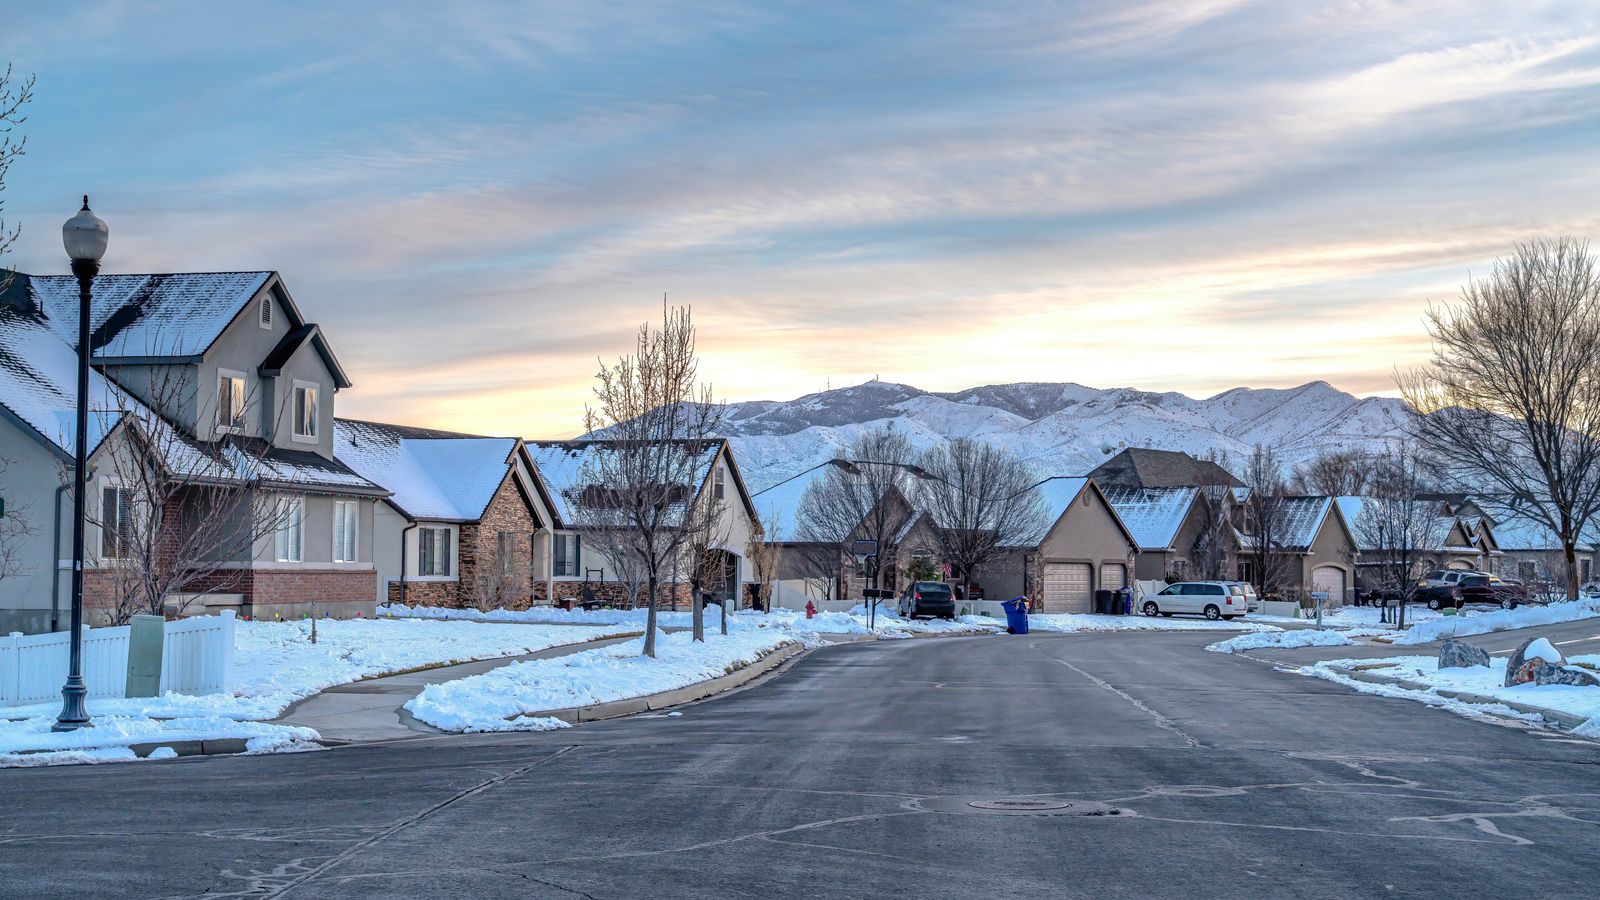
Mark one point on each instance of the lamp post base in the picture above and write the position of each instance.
(74, 714)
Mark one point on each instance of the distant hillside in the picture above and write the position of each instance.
(1062, 429)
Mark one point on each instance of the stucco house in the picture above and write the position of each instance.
(216, 381)
(1437, 540)
(1167, 523)
(467, 522)
(580, 567)
(1313, 539)
(1082, 547)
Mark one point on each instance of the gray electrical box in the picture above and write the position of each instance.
(145, 637)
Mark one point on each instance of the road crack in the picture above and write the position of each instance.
(1160, 720)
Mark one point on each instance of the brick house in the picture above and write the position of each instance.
(467, 522)
(217, 382)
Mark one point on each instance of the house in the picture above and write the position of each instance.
(214, 385)
(467, 521)
(1432, 538)
(580, 563)
(1082, 547)
(1313, 548)
(1144, 467)
(1532, 553)
(1170, 525)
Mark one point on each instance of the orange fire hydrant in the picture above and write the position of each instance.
(811, 609)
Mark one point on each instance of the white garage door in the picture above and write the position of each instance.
(1330, 581)
(1113, 576)
(1066, 587)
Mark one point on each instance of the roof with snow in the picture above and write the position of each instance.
(1057, 494)
(433, 475)
(1148, 468)
(1300, 520)
(778, 504)
(149, 315)
(567, 467)
(1152, 515)
(39, 384)
(1522, 532)
(1430, 532)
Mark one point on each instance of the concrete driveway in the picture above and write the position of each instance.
(1157, 770)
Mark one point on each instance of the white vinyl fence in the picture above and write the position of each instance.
(196, 658)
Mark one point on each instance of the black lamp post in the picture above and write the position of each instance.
(84, 236)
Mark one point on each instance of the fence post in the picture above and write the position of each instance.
(229, 623)
(14, 664)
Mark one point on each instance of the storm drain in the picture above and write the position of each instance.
(1016, 806)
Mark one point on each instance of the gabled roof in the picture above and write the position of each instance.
(1522, 532)
(440, 476)
(1429, 531)
(294, 340)
(778, 504)
(564, 466)
(1300, 520)
(39, 385)
(1146, 467)
(1058, 493)
(1153, 515)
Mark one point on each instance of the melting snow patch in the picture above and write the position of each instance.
(1500, 620)
(1282, 640)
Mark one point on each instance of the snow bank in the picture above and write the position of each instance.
(1485, 681)
(505, 698)
(1282, 640)
(111, 736)
(1500, 620)
(1074, 622)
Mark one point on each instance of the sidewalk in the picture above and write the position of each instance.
(372, 710)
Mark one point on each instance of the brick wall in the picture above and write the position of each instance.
(478, 558)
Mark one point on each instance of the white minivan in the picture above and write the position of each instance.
(1212, 599)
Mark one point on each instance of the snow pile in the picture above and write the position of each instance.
(535, 615)
(506, 698)
(1072, 623)
(1282, 640)
(1368, 617)
(1500, 620)
(1484, 681)
(852, 622)
(111, 735)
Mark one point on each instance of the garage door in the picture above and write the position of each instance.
(1066, 587)
(1330, 581)
(1113, 576)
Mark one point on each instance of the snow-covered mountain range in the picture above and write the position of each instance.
(1061, 429)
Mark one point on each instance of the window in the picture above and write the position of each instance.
(507, 554)
(266, 312)
(116, 522)
(345, 522)
(567, 551)
(305, 411)
(433, 552)
(718, 487)
(230, 400)
(291, 528)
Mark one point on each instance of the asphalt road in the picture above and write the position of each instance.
(850, 775)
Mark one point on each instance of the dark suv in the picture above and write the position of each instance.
(927, 598)
(1479, 588)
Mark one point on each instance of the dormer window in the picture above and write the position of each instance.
(265, 316)
(305, 411)
(230, 401)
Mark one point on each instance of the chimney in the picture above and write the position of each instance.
(14, 291)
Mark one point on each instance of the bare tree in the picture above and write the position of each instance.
(1510, 401)
(766, 560)
(1264, 521)
(14, 95)
(659, 426)
(1214, 546)
(863, 496)
(1396, 529)
(705, 563)
(1334, 473)
(982, 501)
(179, 518)
(616, 545)
(16, 528)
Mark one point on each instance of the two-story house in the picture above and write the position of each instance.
(213, 382)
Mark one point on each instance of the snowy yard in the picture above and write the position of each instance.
(1281, 640)
(275, 665)
(1487, 682)
(505, 698)
(1499, 620)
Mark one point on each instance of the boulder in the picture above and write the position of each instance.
(1549, 673)
(1456, 654)
(1518, 669)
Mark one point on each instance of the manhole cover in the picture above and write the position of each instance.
(1015, 806)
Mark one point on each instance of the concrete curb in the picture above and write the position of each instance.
(1565, 720)
(676, 697)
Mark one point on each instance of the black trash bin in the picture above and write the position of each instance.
(1102, 602)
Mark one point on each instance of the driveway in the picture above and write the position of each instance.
(1176, 773)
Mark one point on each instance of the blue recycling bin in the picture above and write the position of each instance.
(1016, 615)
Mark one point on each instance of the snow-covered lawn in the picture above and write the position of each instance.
(1499, 620)
(1282, 640)
(276, 664)
(1364, 617)
(1487, 682)
(503, 699)
(1072, 623)
(852, 622)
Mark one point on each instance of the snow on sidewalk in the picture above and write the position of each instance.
(275, 664)
(1281, 640)
(503, 699)
(1483, 681)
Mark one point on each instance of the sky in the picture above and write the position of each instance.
(479, 201)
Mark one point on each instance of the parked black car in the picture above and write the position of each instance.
(933, 599)
(1476, 588)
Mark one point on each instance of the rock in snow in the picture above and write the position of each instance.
(1462, 655)
(1520, 669)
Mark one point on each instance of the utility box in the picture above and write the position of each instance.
(146, 634)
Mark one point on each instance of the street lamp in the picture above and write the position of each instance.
(84, 236)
